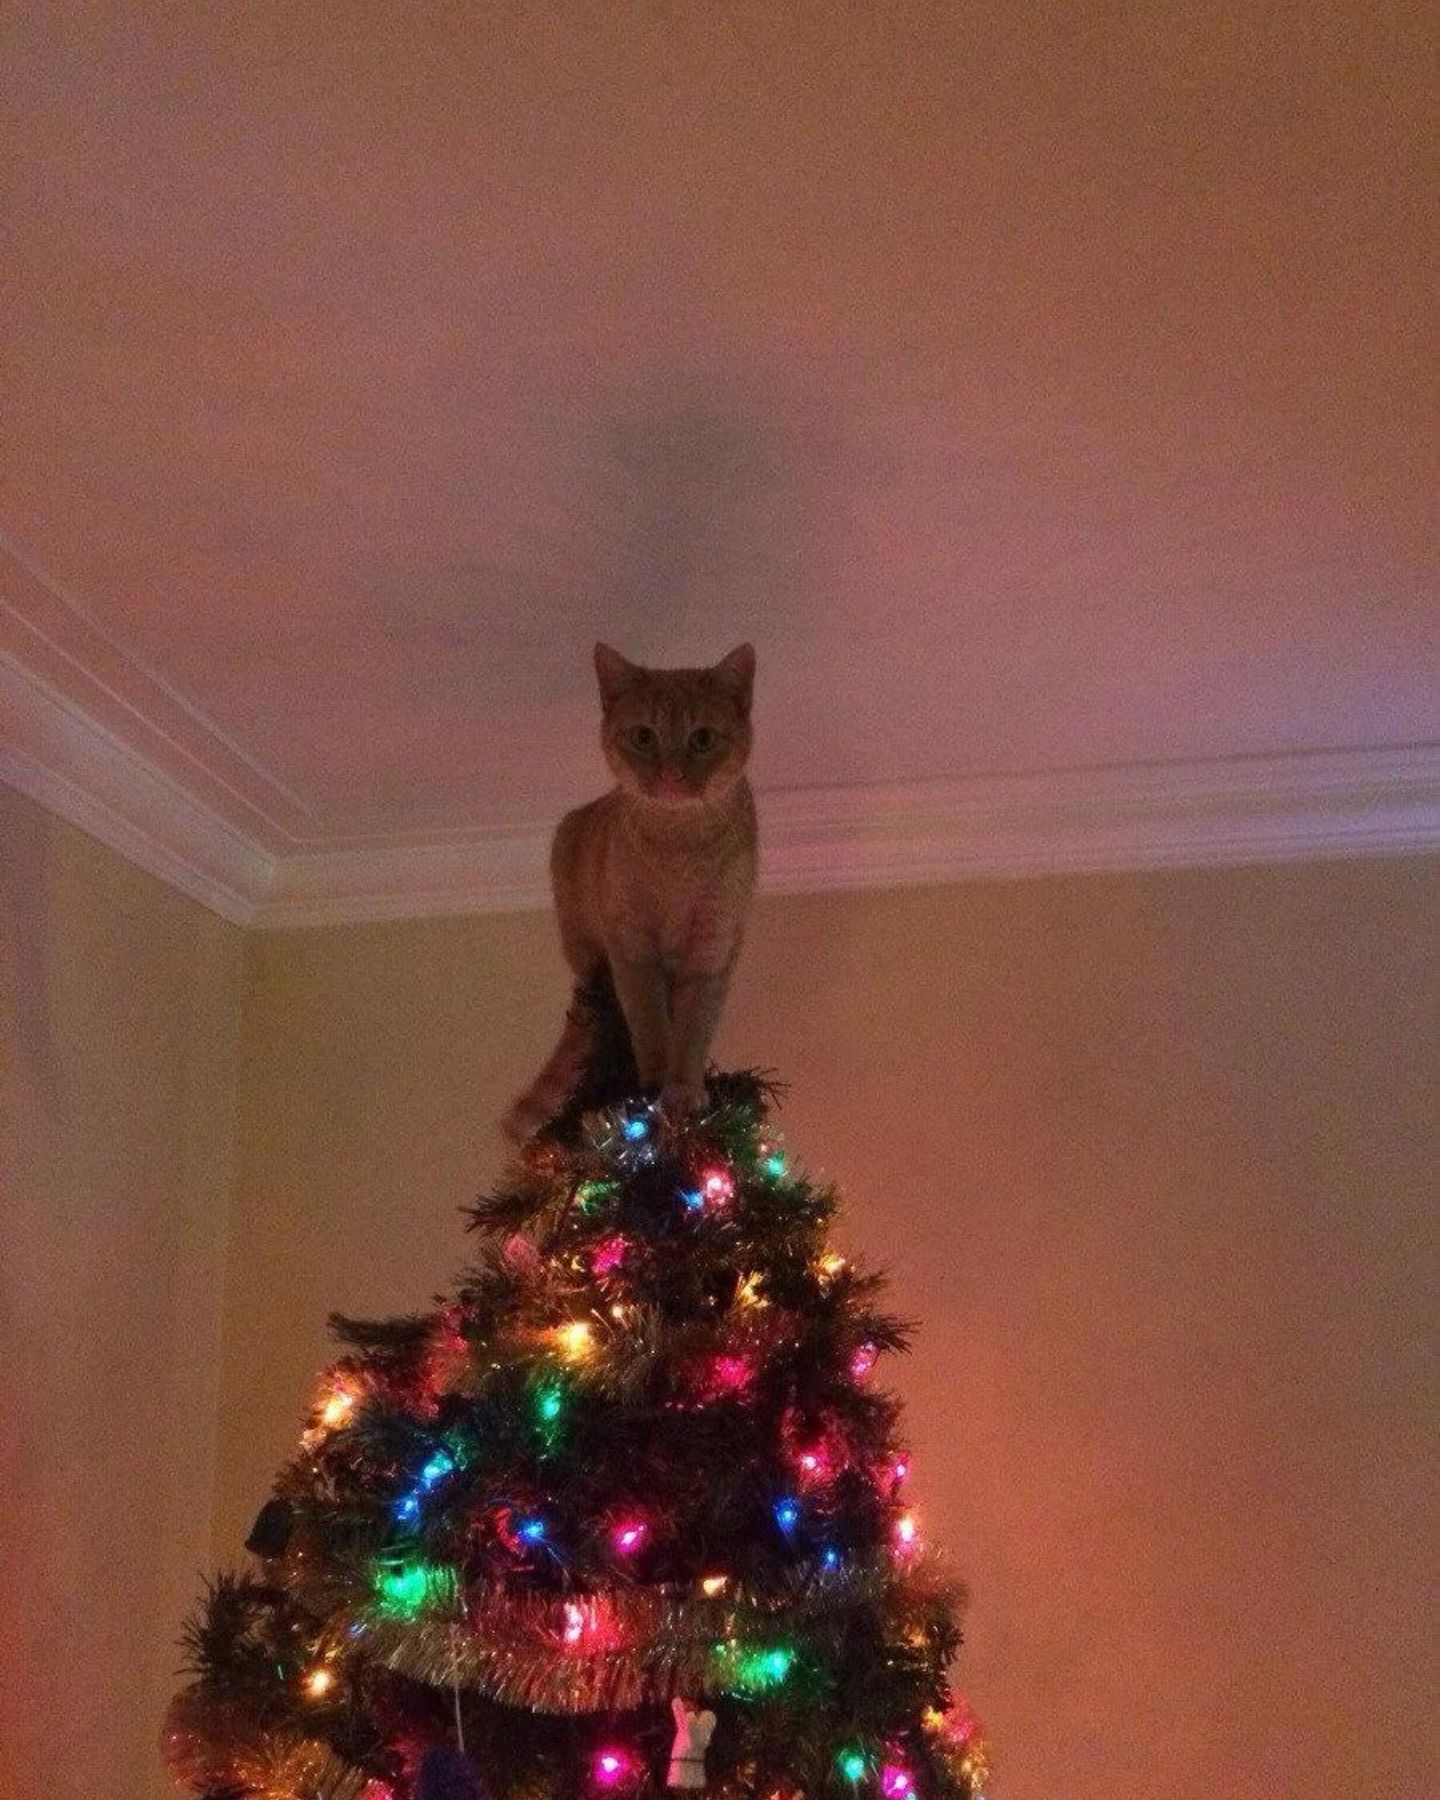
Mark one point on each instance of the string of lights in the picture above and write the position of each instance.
(640, 1452)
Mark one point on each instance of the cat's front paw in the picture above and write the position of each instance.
(680, 1100)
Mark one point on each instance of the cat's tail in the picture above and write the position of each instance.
(592, 1065)
(553, 1086)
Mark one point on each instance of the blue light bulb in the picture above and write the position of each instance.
(787, 1514)
(830, 1556)
(636, 1128)
(694, 1200)
(407, 1510)
(532, 1530)
(438, 1467)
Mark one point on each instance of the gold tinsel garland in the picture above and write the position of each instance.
(621, 1648)
(209, 1741)
(546, 1653)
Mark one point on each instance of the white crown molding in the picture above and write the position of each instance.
(1320, 804)
(52, 639)
(1244, 809)
(59, 754)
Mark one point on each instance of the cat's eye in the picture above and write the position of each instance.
(643, 738)
(703, 739)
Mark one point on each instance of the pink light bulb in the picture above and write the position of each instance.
(630, 1536)
(896, 1782)
(608, 1255)
(612, 1767)
(731, 1372)
(863, 1361)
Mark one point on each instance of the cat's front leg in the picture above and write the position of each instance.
(697, 1002)
(641, 989)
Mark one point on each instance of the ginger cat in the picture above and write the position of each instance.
(655, 878)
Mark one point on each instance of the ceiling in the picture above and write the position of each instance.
(1046, 390)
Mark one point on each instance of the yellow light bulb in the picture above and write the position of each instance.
(712, 1585)
(831, 1264)
(748, 1293)
(575, 1340)
(337, 1408)
(319, 1682)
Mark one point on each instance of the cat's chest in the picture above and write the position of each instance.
(671, 903)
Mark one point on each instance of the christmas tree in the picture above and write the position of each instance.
(627, 1511)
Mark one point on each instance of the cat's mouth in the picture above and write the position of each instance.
(673, 795)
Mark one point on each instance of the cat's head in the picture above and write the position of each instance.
(676, 737)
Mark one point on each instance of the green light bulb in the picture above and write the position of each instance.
(746, 1671)
(852, 1765)
(405, 1590)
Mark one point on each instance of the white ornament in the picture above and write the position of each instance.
(694, 1727)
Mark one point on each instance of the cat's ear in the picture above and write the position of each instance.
(612, 671)
(737, 671)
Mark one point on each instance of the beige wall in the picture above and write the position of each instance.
(118, 1008)
(1150, 1160)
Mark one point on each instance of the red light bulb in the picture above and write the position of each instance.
(815, 1463)
(717, 1187)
